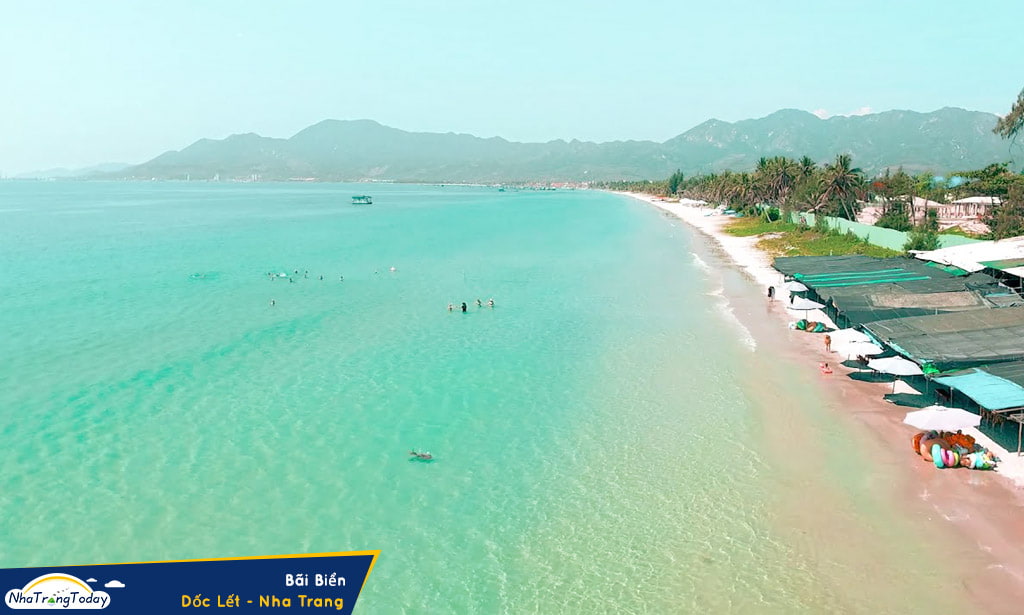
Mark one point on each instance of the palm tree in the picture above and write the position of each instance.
(842, 184)
(807, 167)
(1008, 126)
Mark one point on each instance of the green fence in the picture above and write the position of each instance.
(885, 237)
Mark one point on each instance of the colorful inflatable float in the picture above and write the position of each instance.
(952, 450)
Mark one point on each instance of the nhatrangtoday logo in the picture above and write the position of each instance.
(59, 591)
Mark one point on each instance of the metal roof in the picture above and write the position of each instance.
(988, 390)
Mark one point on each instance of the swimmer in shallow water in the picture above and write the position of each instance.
(490, 303)
(450, 307)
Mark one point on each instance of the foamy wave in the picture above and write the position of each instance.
(697, 260)
(726, 310)
(744, 333)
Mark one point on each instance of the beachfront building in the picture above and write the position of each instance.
(967, 214)
(955, 340)
(978, 356)
(1002, 259)
(857, 289)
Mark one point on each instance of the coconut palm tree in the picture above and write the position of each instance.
(807, 167)
(1013, 122)
(841, 185)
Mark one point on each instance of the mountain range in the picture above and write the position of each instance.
(948, 139)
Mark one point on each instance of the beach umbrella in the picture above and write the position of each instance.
(942, 419)
(854, 349)
(848, 336)
(897, 366)
(806, 305)
(795, 287)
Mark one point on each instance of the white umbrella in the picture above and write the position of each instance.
(854, 349)
(942, 419)
(800, 303)
(848, 336)
(897, 366)
(795, 287)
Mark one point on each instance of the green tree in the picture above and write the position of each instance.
(1007, 219)
(895, 216)
(674, 181)
(1012, 123)
(925, 236)
(841, 185)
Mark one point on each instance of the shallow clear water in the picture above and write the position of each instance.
(607, 438)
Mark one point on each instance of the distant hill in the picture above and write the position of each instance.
(62, 173)
(332, 150)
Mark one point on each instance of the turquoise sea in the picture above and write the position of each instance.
(621, 433)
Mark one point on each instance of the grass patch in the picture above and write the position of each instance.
(748, 227)
(813, 243)
(788, 239)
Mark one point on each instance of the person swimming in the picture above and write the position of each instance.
(490, 302)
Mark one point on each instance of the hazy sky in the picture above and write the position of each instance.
(89, 82)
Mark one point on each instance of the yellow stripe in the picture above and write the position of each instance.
(225, 559)
(59, 577)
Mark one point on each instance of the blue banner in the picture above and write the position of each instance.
(328, 582)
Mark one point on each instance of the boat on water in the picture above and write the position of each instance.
(362, 199)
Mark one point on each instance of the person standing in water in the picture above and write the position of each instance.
(479, 303)
(450, 307)
(490, 302)
(463, 306)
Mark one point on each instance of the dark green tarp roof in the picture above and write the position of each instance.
(956, 340)
(1012, 371)
(865, 289)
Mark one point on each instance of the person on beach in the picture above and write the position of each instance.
(771, 293)
(825, 369)
(828, 343)
(463, 306)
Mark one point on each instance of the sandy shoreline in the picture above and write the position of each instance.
(981, 512)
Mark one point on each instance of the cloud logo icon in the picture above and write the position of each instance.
(114, 583)
(91, 580)
(56, 590)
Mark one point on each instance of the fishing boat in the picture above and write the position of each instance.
(362, 199)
